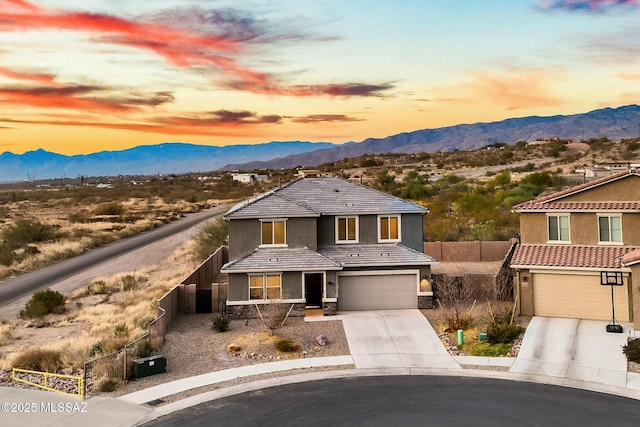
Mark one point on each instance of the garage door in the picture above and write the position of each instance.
(377, 292)
(578, 297)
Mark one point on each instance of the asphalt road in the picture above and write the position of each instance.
(411, 401)
(14, 289)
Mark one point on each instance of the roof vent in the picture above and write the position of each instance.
(335, 190)
(354, 255)
(274, 259)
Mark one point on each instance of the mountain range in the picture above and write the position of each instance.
(163, 158)
(166, 158)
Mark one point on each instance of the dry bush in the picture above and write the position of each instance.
(274, 314)
(455, 301)
(6, 333)
(39, 359)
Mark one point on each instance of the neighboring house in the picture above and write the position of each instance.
(326, 243)
(570, 238)
(247, 178)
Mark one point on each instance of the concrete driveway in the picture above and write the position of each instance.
(394, 339)
(573, 349)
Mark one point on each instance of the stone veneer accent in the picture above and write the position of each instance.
(425, 301)
(330, 308)
(249, 311)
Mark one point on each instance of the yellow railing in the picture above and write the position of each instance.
(45, 382)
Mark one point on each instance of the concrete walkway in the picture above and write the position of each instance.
(394, 339)
(563, 352)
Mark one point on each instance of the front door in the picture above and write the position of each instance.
(313, 289)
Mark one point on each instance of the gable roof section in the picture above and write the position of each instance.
(580, 257)
(375, 255)
(553, 201)
(322, 196)
(280, 259)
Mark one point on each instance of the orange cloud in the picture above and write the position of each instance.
(33, 77)
(513, 88)
(323, 118)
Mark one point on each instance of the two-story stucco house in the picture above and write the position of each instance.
(326, 243)
(570, 238)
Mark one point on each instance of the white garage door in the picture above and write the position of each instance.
(378, 291)
(578, 297)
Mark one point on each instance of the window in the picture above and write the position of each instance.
(389, 228)
(558, 228)
(610, 229)
(347, 229)
(264, 286)
(273, 232)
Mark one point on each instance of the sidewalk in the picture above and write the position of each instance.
(564, 352)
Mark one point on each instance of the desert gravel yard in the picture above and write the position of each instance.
(192, 347)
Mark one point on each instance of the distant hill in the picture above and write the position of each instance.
(613, 123)
(144, 160)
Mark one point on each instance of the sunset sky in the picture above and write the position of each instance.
(78, 77)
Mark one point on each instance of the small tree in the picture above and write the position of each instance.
(210, 237)
(274, 314)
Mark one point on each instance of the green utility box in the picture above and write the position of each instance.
(148, 366)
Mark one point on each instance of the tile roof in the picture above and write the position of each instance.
(546, 200)
(321, 196)
(375, 255)
(577, 206)
(280, 259)
(590, 257)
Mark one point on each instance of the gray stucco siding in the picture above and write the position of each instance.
(302, 233)
(412, 235)
(245, 235)
(292, 285)
(238, 287)
(330, 278)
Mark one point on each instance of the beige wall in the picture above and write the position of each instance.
(625, 189)
(634, 289)
(533, 228)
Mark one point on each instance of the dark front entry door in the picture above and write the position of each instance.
(313, 289)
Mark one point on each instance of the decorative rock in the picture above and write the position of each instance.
(232, 348)
(322, 340)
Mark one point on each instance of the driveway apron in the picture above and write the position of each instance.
(394, 339)
(573, 349)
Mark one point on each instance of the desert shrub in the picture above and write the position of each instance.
(476, 348)
(79, 217)
(112, 208)
(96, 349)
(5, 332)
(121, 330)
(98, 287)
(286, 346)
(128, 282)
(114, 344)
(144, 322)
(38, 359)
(7, 256)
(503, 333)
(42, 303)
(108, 385)
(221, 324)
(632, 350)
(209, 238)
(31, 250)
(144, 348)
(26, 231)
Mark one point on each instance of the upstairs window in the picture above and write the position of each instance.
(273, 232)
(558, 228)
(347, 229)
(389, 228)
(609, 229)
(265, 286)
